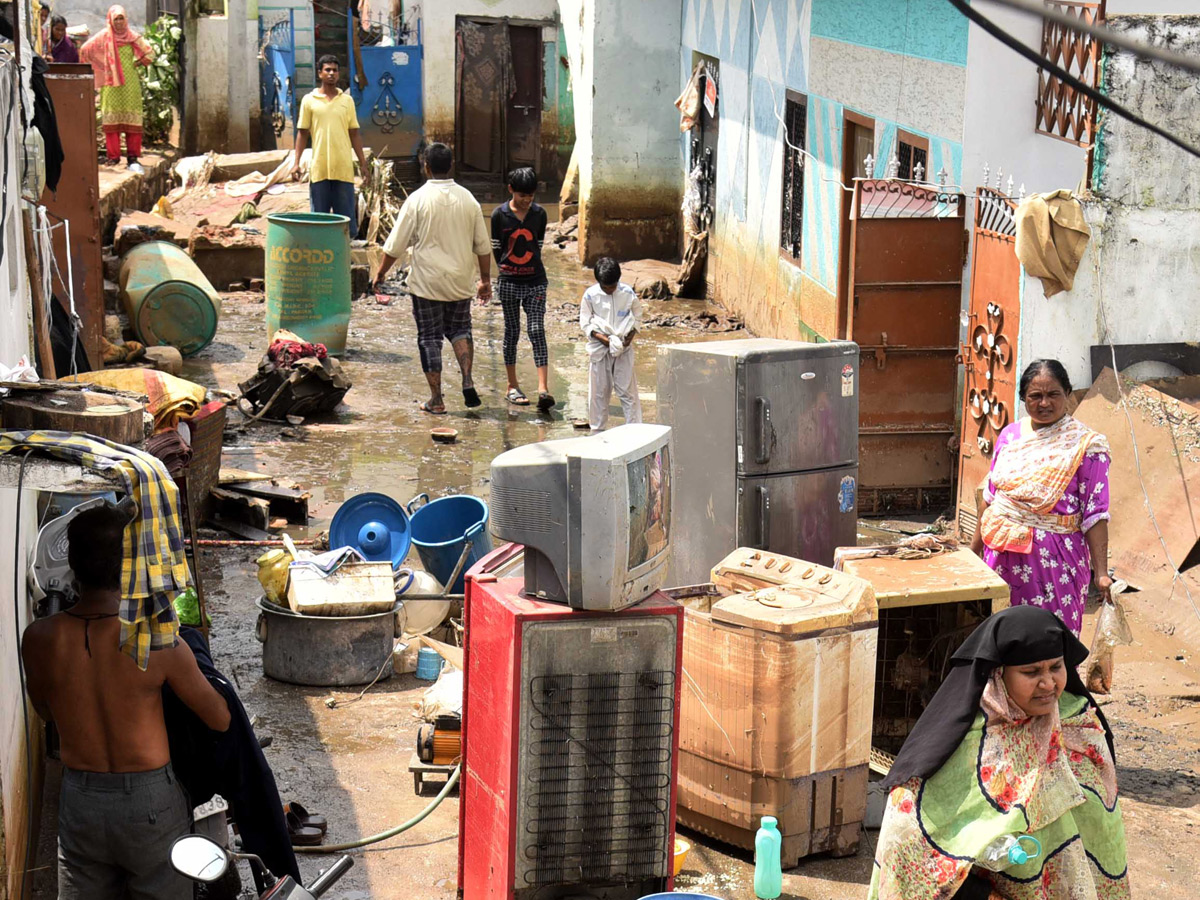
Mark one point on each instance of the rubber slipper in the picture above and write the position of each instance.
(302, 835)
(306, 818)
(432, 410)
(545, 402)
(471, 397)
(517, 397)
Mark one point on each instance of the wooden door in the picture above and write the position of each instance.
(523, 114)
(72, 88)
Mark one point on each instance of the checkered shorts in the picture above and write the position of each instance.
(531, 298)
(438, 319)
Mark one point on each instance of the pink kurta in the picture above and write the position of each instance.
(1056, 573)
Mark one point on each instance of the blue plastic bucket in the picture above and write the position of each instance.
(680, 896)
(429, 664)
(441, 528)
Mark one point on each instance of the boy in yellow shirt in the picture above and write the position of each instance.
(327, 116)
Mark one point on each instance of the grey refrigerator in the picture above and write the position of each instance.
(764, 449)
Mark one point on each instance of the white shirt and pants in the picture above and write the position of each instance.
(616, 316)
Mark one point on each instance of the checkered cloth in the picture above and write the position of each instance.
(438, 319)
(532, 298)
(154, 568)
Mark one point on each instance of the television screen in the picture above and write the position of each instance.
(649, 507)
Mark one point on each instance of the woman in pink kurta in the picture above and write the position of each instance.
(1044, 524)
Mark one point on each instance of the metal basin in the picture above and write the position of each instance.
(325, 651)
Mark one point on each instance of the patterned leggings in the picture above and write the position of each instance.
(531, 297)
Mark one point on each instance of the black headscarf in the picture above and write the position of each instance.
(1017, 636)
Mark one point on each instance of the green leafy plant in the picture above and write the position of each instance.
(160, 79)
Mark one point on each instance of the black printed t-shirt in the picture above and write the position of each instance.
(517, 245)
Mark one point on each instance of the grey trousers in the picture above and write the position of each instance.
(115, 834)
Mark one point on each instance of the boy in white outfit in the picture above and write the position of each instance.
(610, 315)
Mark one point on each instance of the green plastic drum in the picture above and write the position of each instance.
(308, 277)
(167, 298)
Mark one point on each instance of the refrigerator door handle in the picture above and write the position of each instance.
(764, 519)
(763, 451)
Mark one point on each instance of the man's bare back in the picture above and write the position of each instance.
(109, 712)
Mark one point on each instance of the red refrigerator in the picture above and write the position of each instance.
(570, 743)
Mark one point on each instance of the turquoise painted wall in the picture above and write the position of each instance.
(928, 29)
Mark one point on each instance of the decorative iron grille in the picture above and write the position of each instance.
(1062, 111)
(792, 221)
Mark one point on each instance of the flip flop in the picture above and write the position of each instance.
(471, 397)
(432, 410)
(306, 818)
(545, 402)
(517, 397)
(302, 835)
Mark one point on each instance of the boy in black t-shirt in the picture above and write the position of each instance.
(518, 229)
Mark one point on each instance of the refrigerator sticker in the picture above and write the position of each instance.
(847, 380)
(846, 494)
(808, 376)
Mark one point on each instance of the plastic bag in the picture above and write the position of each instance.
(1112, 630)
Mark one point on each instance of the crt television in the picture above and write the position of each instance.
(593, 513)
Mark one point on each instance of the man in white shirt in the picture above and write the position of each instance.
(610, 314)
(441, 229)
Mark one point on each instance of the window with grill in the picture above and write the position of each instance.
(792, 218)
(1062, 111)
(912, 152)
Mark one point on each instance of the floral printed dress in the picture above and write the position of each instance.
(1056, 571)
(1051, 777)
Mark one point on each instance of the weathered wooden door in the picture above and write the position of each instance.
(989, 356)
(523, 115)
(905, 294)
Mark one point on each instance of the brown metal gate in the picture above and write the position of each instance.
(72, 88)
(905, 290)
(989, 356)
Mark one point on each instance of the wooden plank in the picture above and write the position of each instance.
(285, 502)
(230, 475)
(43, 474)
(944, 578)
(242, 530)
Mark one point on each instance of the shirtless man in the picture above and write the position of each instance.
(121, 807)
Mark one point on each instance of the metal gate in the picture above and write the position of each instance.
(989, 356)
(277, 73)
(390, 110)
(906, 259)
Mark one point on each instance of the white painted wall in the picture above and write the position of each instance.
(1152, 8)
(218, 114)
(1000, 113)
(14, 342)
(437, 27)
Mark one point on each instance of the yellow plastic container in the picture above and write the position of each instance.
(273, 575)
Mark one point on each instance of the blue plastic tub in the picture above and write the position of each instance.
(440, 529)
(429, 664)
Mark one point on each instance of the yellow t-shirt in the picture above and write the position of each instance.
(328, 123)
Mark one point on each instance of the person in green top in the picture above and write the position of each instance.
(329, 120)
(114, 55)
(1012, 750)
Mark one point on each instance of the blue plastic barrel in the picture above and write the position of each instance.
(429, 664)
(441, 528)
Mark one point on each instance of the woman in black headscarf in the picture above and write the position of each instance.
(1011, 745)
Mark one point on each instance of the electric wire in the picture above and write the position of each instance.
(1102, 33)
(1087, 90)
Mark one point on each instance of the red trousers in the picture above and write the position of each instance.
(133, 143)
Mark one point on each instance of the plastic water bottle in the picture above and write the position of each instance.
(768, 874)
(1009, 850)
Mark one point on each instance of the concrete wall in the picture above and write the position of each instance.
(627, 131)
(898, 62)
(209, 106)
(15, 822)
(93, 13)
(999, 129)
(1142, 266)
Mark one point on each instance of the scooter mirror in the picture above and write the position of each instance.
(199, 858)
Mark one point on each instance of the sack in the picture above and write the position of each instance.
(1112, 630)
(306, 388)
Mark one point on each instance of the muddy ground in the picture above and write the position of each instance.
(351, 763)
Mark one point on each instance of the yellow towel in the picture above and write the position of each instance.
(1051, 237)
